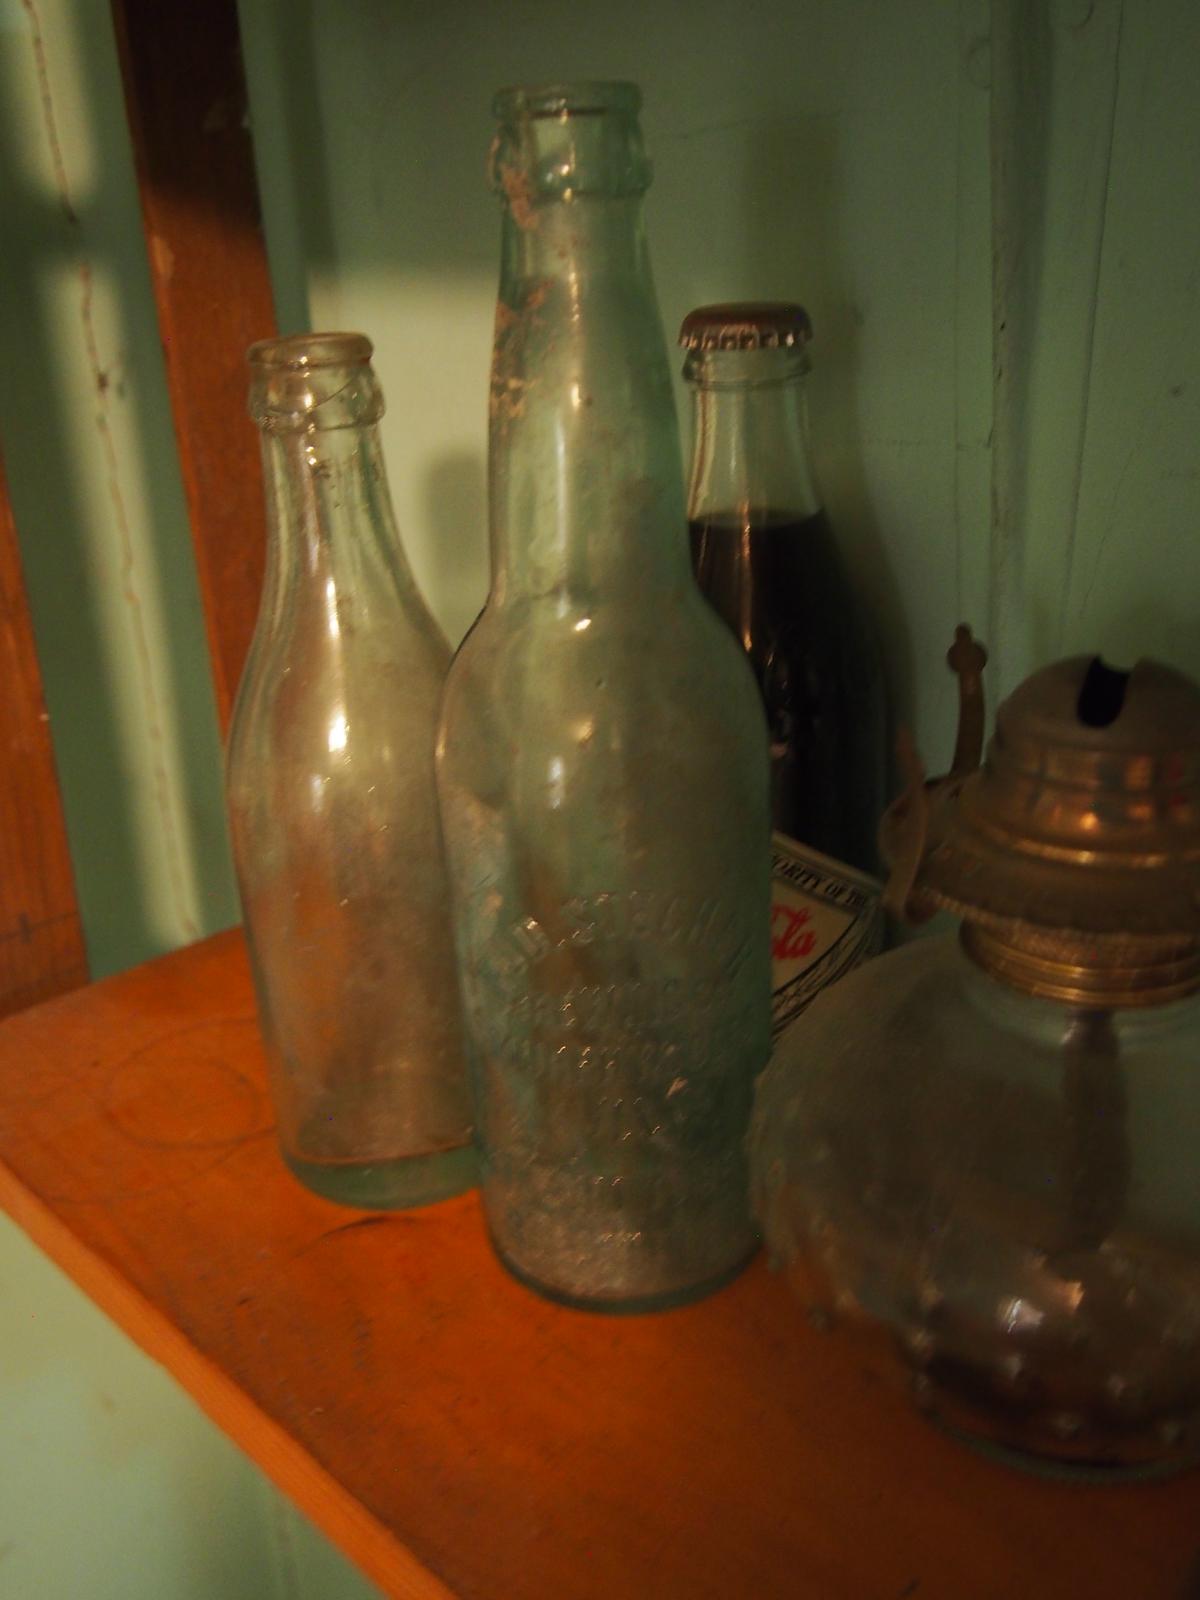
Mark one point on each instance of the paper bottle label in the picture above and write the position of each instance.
(826, 917)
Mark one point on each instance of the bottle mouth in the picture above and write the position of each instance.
(302, 351)
(310, 382)
(566, 142)
(588, 99)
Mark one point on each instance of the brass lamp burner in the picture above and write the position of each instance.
(1073, 854)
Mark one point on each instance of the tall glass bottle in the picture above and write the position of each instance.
(332, 803)
(602, 765)
(766, 557)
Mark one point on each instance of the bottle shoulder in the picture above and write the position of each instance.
(323, 705)
(531, 691)
(560, 653)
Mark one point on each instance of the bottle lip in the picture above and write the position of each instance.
(313, 382)
(590, 97)
(746, 325)
(299, 352)
(743, 369)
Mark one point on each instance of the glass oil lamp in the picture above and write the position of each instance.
(986, 1146)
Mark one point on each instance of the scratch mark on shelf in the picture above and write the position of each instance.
(356, 1226)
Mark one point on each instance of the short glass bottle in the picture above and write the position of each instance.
(332, 807)
(766, 557)
(602, 766)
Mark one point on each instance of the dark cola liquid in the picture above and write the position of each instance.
(778, 582)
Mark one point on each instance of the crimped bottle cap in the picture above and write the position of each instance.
(746, 325)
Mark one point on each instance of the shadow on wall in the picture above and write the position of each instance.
(749, 201)
(792, 194)
(43, 241)
(299, 224)
(455, 509)
(385, 228)
(744, 205)
(95, 524)
(361, 234)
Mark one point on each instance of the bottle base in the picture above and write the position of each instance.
(1101, 1453)
(632, 1302)
(389, 1185)
(1063, 1469)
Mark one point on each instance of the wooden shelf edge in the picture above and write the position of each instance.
(459, 1437)
(319, 1495)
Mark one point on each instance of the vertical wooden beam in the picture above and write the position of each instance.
(41, 940)
(185, 95)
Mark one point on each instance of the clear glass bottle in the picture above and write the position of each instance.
(332, 803)
(766, 557)
(602, 765)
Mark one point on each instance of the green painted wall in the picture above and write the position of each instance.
(112, 1484)
(992, 214)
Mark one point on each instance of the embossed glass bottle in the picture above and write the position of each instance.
(602, 765)
(332, 803)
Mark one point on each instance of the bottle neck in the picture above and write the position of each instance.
(750, 451)
(331, 532)
(586, 492)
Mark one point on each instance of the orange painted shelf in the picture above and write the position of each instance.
(456, 1435)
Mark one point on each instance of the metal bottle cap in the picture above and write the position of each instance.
(1073, 853)
(746, 325)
